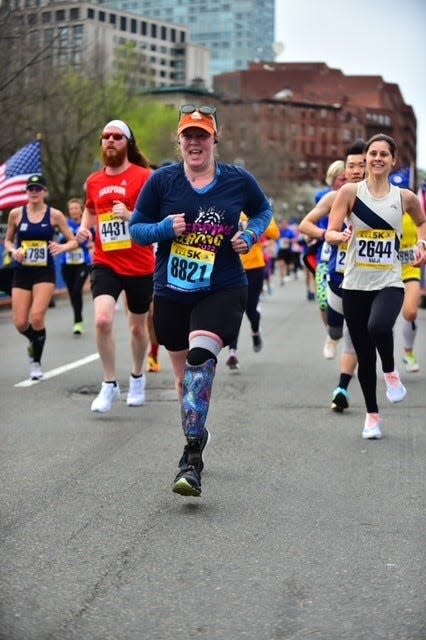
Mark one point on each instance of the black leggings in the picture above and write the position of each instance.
(74, 277)
(255, 285)
(370, 316)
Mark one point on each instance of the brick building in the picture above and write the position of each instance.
(288, 121)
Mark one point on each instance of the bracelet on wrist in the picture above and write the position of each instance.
(421, 241)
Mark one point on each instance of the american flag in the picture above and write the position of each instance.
(15, 172)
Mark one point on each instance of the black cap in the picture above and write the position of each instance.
(38, 180)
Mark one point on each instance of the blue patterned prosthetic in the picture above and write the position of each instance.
(197, 386)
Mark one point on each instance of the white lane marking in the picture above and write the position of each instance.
(57, 372)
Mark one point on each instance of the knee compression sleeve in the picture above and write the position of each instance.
(203, 347)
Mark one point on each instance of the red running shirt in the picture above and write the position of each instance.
(113, 245)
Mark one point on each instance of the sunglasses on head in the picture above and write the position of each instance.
(205, 109)
(35, 187)
(114, 136)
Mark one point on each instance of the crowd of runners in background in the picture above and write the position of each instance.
(359, 253)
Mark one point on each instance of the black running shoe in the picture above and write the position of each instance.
(232, 361)
(257, 342)
(340, 400)
(188, 482)
(193, 452)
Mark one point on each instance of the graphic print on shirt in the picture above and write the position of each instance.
(192, 255)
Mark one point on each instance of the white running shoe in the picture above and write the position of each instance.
(395, 390)
(36, 372)
(329, 350)
(372, 427)
(108, 394)
(136, 393)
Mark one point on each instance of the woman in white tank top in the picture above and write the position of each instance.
(373, 290)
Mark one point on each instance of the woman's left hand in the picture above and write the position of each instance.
(55, 248)
(420, 256)
(239, 245)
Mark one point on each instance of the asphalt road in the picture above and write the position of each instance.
(303, 530)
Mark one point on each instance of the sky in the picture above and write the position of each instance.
(365, 37)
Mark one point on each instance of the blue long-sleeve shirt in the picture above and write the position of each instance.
(202, 259)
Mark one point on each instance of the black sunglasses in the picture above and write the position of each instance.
(35, 187)
(205, 109)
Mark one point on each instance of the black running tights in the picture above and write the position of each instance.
(75, 277)
(370, 317)
(255, 279)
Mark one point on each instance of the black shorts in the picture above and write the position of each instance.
(286, 255)
(27, 277)
(220, 313)
(138, 289)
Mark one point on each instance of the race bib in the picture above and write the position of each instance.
(113, 232)
(407, 255)
(75, 257)
(342, 250)
(325, 252)
(189, 268)
(375, 248)
(35, 253)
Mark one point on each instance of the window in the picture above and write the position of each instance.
(46, 17)
(74, 13)
(60, 15)
(48, 36)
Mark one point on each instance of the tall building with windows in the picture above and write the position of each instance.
(81, 33)
(237, 32)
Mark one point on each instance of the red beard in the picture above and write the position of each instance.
(113, 157)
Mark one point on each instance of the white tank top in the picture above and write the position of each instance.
(372, 260)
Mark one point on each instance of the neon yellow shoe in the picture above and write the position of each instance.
(411, 364)
(78, 328)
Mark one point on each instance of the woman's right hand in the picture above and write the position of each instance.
(18, 254)
(179, 224)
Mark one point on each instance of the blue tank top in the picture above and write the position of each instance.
(34, 238)
(78, 256)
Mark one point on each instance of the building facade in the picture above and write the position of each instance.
(291, 120)
(287, 122)
(237, 32)
(83, 32)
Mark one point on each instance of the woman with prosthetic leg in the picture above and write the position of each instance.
(192, 210)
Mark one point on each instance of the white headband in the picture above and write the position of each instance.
(120, 125)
